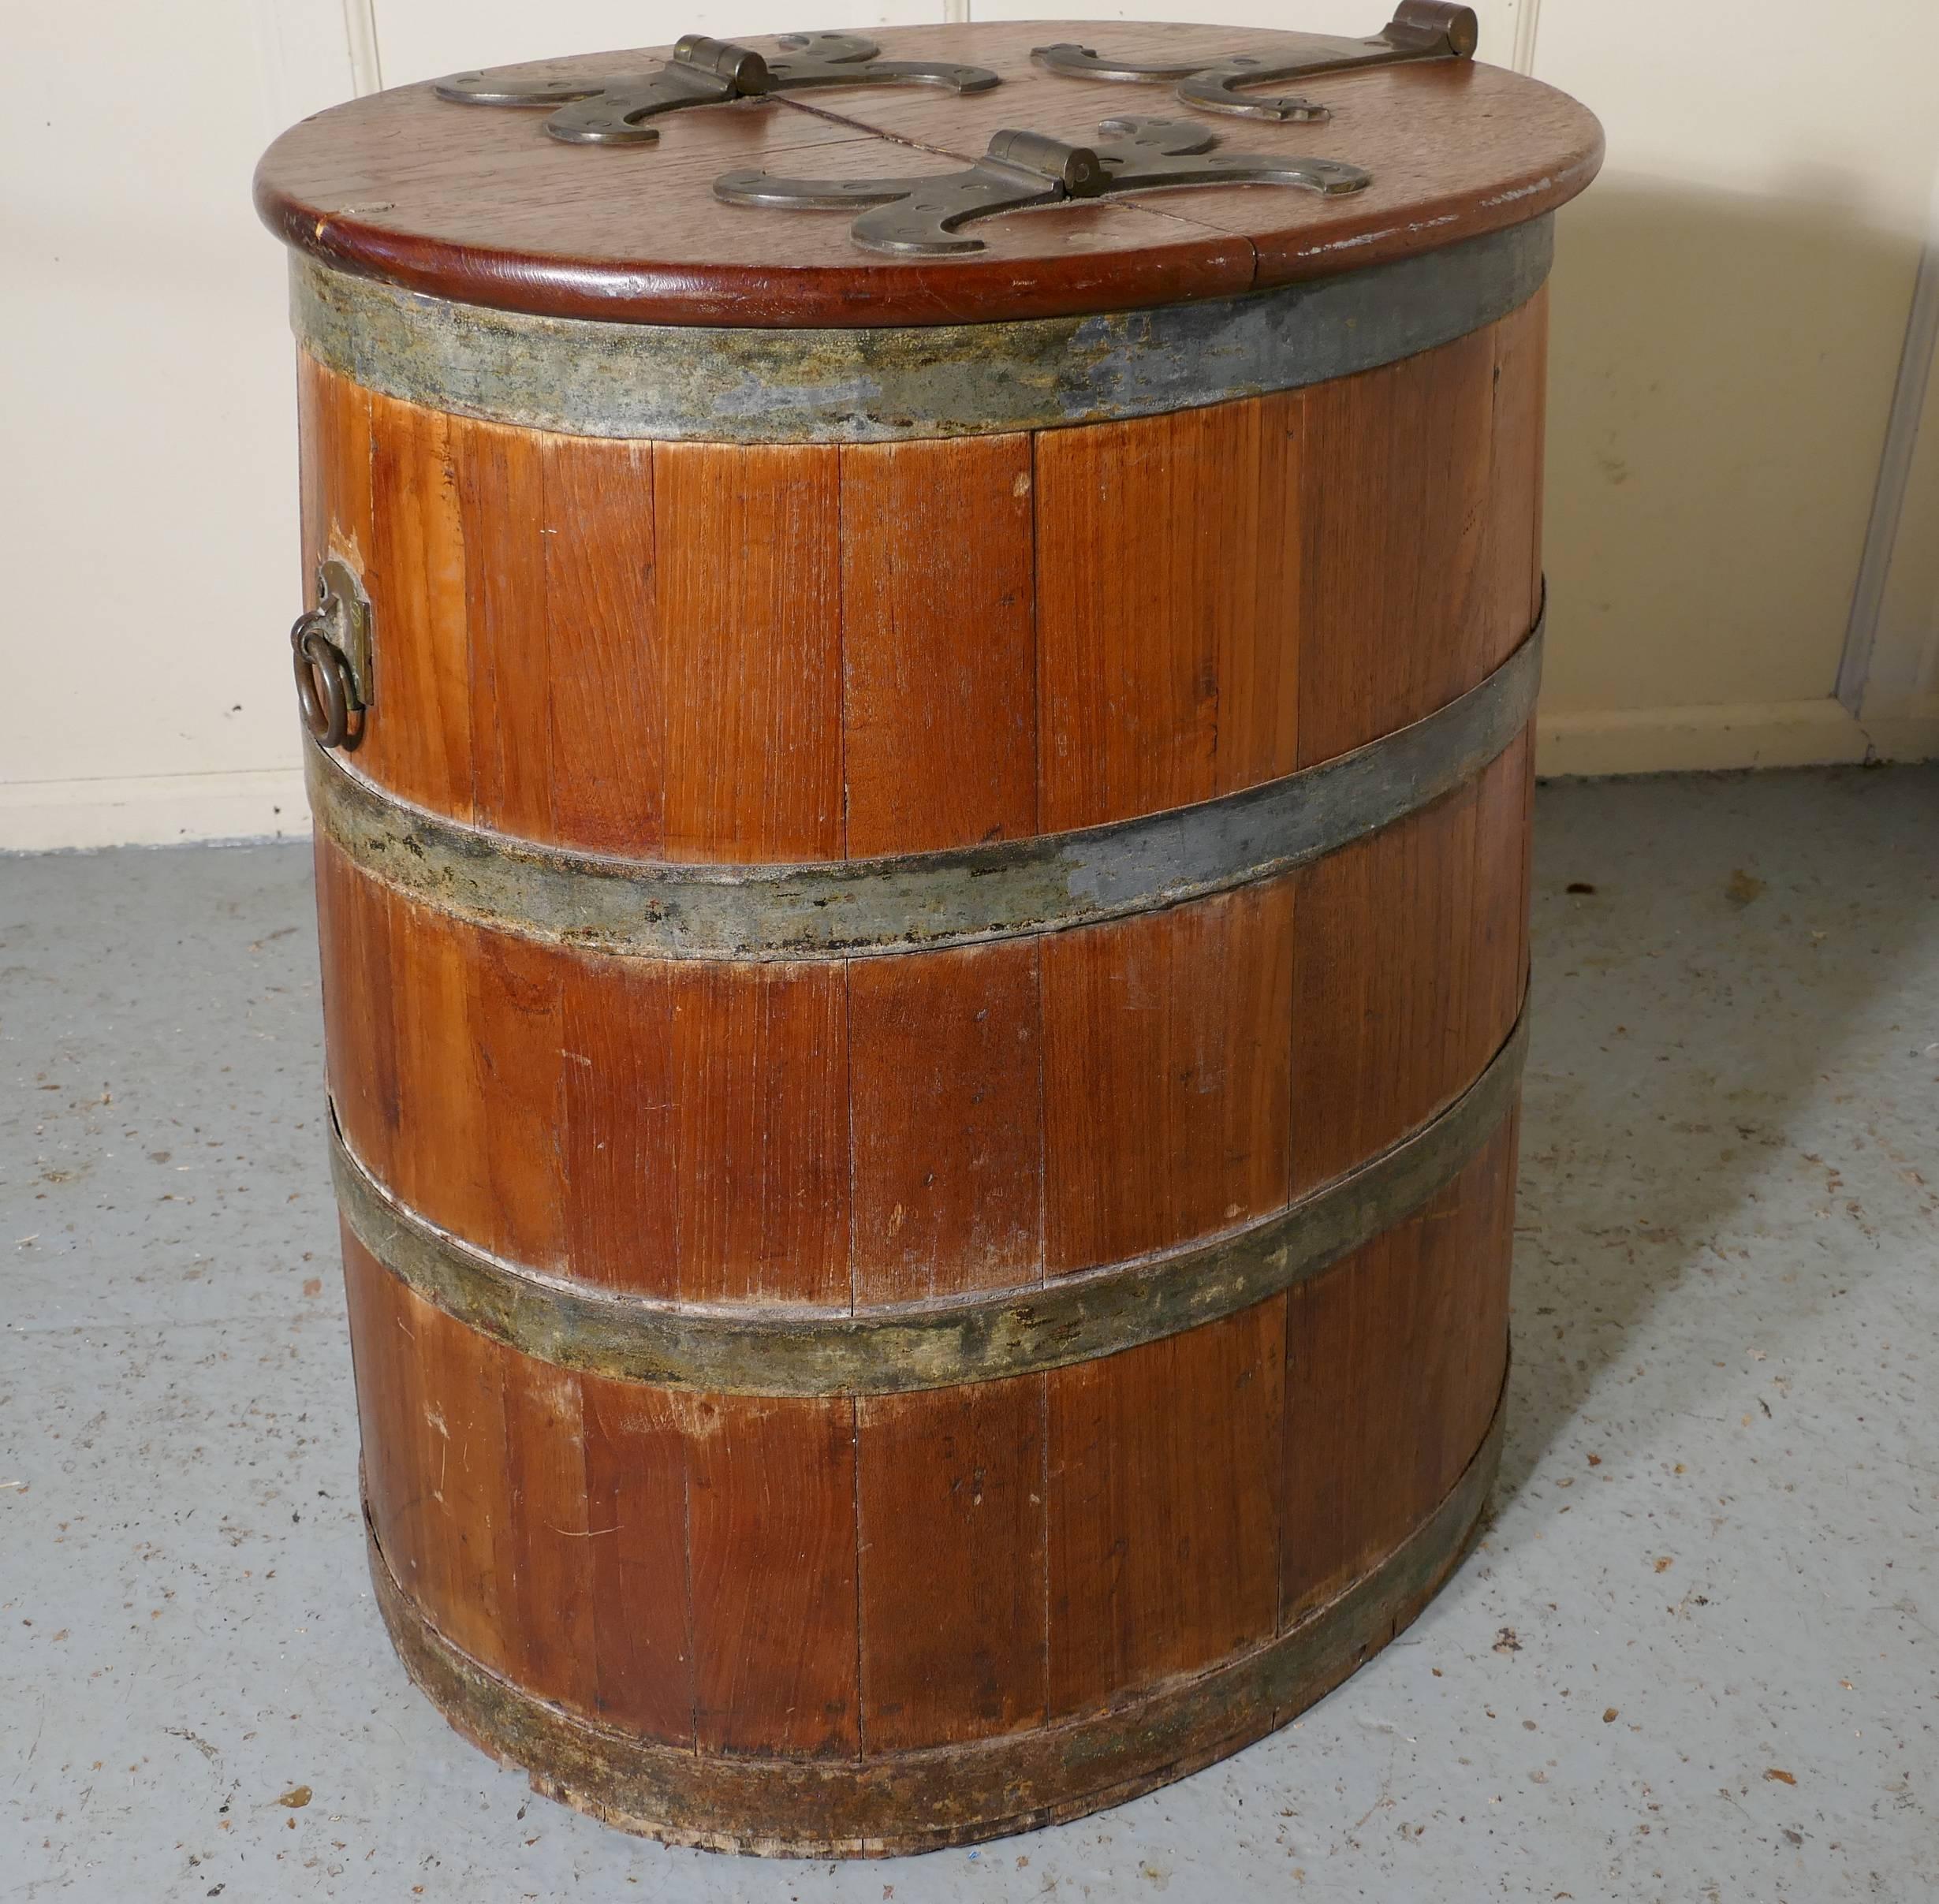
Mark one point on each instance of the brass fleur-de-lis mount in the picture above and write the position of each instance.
(615, 110)
(1419, 29)
(923, 217)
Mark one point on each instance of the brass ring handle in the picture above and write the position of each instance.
(330, 654)
(324, 692)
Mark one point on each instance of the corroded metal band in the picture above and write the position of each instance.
(907, 1803)
(851, 908)
(719, 385)
(892, 1348)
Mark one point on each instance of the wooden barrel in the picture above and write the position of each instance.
(923, 870)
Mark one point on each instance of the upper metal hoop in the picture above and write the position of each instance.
(708, 384)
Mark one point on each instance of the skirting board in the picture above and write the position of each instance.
(171, 809)
(1739, 734)
(152, 809)
(1906, 730)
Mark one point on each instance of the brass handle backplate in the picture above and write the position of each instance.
(330, 653)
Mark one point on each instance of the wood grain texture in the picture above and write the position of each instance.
(619, 1147)
(551, 1533)
(513, 1016)
(479, 205)
(946, 1090)
(333, 431)
(1167, 1115)
(605, 695)
(1381, 978)
(481, 1085)
(567, 693)
(1169, 599)
(945, 1084)
(639, 1567)
(1498, 942)
(939, 653)
(1168, 1043)
(530, 644)
(471, 1482)
(1164, 1525)
(749, 581)
(445, 1160)
(954, 1528)
(390, 1379)
(1397, 611)
(419, 733)
(772, 1532)
(1407, 973)
(1521, 389)
(761, 1134)
(355, 920)
(1393, 1366)
(499, 476)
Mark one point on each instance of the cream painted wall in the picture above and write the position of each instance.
(420, 39)
(1731, 301)
(147, 500)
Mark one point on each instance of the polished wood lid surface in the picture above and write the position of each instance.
(478, 204)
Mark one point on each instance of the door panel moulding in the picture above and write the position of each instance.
(1861, 660)
(367, 66)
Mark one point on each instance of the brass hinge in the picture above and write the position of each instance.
(923, 217)
(613, 110)
(1419, 29)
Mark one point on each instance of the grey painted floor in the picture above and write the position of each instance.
(1695, 1658)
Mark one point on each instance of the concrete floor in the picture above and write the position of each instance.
(1694, 1659)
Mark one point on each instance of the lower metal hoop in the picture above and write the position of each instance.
(907, 1803)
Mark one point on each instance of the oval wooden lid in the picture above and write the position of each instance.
(478, 204)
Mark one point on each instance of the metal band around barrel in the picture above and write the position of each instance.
(897, 1803)
(713, 384)
(894, 1348)
(855, 908)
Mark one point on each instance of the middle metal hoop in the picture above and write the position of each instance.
(859, 908)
